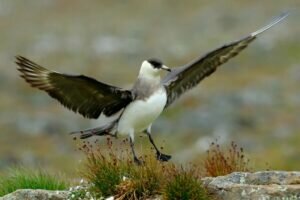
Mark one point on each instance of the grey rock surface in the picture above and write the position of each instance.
(28, 194)
(264, 185)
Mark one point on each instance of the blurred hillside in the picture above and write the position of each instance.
(254, 99)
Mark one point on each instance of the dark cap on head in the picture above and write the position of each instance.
(156, 63)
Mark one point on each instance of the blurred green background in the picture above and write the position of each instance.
(254, 99)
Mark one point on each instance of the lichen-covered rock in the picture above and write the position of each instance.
(265, 185)
(28, 194)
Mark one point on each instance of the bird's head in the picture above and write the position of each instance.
(152, 68)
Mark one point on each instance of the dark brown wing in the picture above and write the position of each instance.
(186, 77)
(79, 93)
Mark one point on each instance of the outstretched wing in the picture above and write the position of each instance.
(186, 77)
(79, 93)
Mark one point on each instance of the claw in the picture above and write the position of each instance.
(163, 157)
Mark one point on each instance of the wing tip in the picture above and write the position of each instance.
(32, 73)
(275, 21)
(20, 60)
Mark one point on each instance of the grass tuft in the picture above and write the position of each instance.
(112, 173)
(219, 162)
(184, 184)
(21, 178)
(103, 169)
(142, 182)
(105, 173)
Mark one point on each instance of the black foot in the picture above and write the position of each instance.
(163, 157)
(137, 161)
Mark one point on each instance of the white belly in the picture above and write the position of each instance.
(139, 114)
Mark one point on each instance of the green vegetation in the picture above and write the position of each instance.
(123, 179)
(21, 178)
(111, 173)
(142, 182)
(81, 191)
(184, 184)
(105, 173)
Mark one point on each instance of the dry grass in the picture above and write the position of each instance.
(142, 181)
(113, 173)
(220, 161)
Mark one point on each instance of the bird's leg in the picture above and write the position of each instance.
(160, 156)
(135, 159)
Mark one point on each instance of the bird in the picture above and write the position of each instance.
(137, 108)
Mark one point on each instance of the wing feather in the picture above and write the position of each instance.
(79, 93)
(188, 76)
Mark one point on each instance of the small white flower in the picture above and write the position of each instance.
(73, 196)
(71, 189)
(110, 198)
(81, 181)
(124, 178)
(77, 187)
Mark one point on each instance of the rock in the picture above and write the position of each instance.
(29, 194)
(262, 185)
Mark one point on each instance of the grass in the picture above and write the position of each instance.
(184, 184)
(219, 162)
(105, 173)
(143, 181)
(103, 169)
(111, 173)
(21, 178)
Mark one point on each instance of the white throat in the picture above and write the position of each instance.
(148, 72)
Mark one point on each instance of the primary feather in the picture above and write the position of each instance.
(186, 77)
(79, 93)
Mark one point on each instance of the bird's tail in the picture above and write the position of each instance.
(100, 131)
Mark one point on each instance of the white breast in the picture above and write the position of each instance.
(139, 114)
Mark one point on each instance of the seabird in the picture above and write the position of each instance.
(136, 109)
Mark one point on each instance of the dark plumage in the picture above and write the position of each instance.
(77, 92)
(156, 63)
(188, 76)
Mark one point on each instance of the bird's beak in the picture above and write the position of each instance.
(164, 67)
